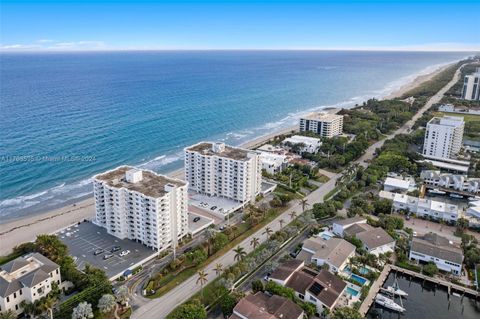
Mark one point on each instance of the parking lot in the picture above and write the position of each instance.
(198, 222)
(216, 205)
(85, 239)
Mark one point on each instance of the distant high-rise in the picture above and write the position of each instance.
(443, 136)
(220, 170)
(471, 86)
(141, 205)
(325, 125)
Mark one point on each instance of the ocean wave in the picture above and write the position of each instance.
(69, 192)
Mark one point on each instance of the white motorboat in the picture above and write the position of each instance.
(388, 303)
(395, 291)
(436, 191)
(456, 196)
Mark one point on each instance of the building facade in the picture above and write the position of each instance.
(439, 250)
(216, 169)
(142, 206)
(273, 163)
(443, 136)
(471, 86)
(308, 144)
(456, 182)
(27, 278)
(325, 125)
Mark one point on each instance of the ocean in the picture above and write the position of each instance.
(67, 116)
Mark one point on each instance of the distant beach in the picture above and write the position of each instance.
(27, 228)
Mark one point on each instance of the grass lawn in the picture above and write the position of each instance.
(322, 178)
(243, 229)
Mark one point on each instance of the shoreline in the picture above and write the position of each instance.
(26, 228)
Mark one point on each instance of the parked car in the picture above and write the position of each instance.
(98, 252)
(115, 248)
(196, 219)
(188, 249)
(124, 253)
(213, 207)
(107, 256)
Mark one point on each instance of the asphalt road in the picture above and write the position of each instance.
(161, 307)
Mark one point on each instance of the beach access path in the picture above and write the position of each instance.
(161, 307)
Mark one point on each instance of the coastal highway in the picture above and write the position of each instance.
(161, 307)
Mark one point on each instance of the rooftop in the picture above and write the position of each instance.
(221, 150)
(334, 250)
(151, 183)
(25, 271)
(302, 139)
(323, 117)
(437, 246)
(353, 220)
(375, 237)
(454, 121)
(397, 183)
(263, 306)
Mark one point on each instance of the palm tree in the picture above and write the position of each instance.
(202, 279)
(209, 235)
(293, 215)
(240, 253)
(304, 204)
(255, 242)
(10, 314)
(31, 309)
(234, 231)
(218, 269)
(281, 222)
(268, 231)
(47, 304)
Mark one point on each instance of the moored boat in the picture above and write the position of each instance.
(388, 303)
(395, 291)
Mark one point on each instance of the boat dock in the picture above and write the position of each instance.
(375, 288)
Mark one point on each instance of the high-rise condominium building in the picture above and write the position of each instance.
(217, 169)
(471, 86)
(326, 125)
(141, 205)
(443, 136)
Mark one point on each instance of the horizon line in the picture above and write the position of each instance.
(477, 50)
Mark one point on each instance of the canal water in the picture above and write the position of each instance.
(426, 301)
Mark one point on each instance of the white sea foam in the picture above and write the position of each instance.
(62, 193)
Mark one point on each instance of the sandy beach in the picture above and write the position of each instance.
(26, 229)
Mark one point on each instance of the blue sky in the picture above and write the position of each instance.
(120, 25)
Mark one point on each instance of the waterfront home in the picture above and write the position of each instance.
(308, 144)
(273, 163)
(335, 252)
(323, 124)
(340, 225)
(323, 289)
(264, 306)
(439, 250)
(457, 182)
(423, 207)
(142, 206)
(27, 278)
(216, 169)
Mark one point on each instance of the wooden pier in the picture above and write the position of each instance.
(374, 289)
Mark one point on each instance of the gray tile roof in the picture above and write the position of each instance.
(14, 265)
(29, 279)
(374, 238)
(335, 250)
(437, 246)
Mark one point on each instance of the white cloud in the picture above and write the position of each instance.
(53, 45)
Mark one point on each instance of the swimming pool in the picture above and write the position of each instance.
(352, 291)
(326, 236)
(358, 279)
